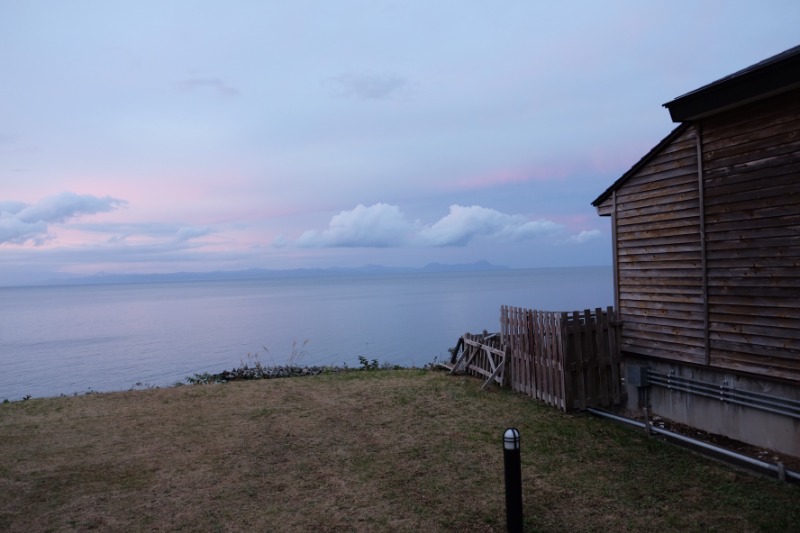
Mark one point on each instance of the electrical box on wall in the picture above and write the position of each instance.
(636, 374)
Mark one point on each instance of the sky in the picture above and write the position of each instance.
(189, 135)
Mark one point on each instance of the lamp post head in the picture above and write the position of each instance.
(511, 439)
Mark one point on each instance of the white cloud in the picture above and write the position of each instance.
(534, 229)
(280, 241)
(215, 85)
(463, 224)
(377, 226)
(367, 87)
(9, 207)
(15, 231)
(59, 208)
(585, 236)
(187, 233)
(383, 225)
(166, 233)
(21, 223)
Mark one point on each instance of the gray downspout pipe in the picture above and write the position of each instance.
(790, 476)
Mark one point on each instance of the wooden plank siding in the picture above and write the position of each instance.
(751, 162)
(716, 284)
(660, 284)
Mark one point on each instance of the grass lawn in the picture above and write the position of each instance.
(407, 450)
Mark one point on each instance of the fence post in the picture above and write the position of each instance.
(613, 350)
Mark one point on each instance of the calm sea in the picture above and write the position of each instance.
(76, 339)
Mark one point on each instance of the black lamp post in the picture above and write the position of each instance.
(513, 468)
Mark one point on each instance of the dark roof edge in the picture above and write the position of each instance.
(776, 74)
(642, 162)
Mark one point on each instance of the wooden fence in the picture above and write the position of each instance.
(567, 360)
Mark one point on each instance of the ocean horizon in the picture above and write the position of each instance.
(79, 338)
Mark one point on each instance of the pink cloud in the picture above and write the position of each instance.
(593, 161)
(617, 160)
(499, 177)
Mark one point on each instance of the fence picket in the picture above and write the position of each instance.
(548, 359)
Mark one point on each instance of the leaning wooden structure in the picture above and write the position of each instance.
(483, 355)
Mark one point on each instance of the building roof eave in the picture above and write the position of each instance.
(772, 76)
(639, 164)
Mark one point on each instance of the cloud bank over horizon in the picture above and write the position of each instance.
(22, 223)
(383, 225)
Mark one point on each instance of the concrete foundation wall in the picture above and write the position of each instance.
(753, 426)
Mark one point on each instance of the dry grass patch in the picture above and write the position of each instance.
(365, 451)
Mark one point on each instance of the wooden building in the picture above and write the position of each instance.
(706, 237)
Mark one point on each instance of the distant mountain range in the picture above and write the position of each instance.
(262, 273)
